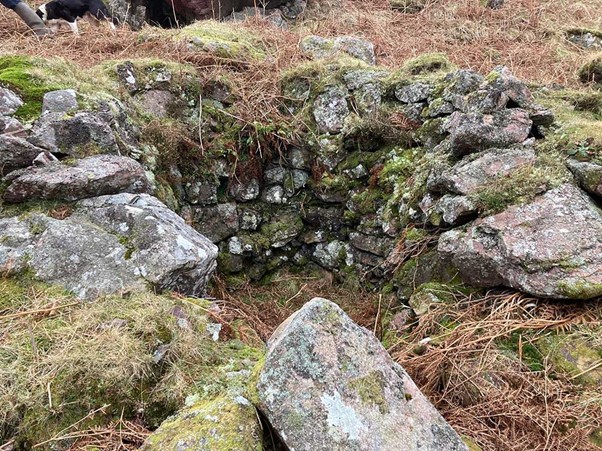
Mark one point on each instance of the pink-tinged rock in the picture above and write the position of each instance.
(328, 384)
(479, 170)
(89, 177)
(551, 247)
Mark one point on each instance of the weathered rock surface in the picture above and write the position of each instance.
(222, 424)
(79, 135)
(475, 131)
(319, 47)
(589, 175)
(327, 383)
(331, 109)
(9, 102)
(90, 177)
(111, 244)
(551, 247)
(476, 171)
(63, 101)
(16, 153)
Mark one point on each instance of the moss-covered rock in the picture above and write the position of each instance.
(222, 40)
(576, 356)
(221, 424)
(591, 72)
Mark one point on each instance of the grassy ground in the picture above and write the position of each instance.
(461, 351)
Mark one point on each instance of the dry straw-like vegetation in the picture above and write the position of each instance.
(499, 401)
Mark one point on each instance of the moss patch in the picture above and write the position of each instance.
(223, 40)
(223, 423)
(371, 390)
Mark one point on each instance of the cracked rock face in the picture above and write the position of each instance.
(111, 244)
(551, 247)
(329, 384)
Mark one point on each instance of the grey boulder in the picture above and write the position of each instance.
(328, 384)
(478, 170)
(90, 177)
(62, 101)
(318, 47)
(551, 247)
(331, 109)
(110, 244)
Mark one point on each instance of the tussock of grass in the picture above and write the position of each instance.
(61, 360)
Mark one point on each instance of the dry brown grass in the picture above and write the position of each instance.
(489, 396)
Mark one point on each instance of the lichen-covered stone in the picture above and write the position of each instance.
(110, 244)
(16, 153)
(475, 131)
(217, 222)
(61, 101)
(327, 383)
(331, 109)
(319, 47)
(225, 423)
(478, 170)
(589, 175)
(90, 177)
(573, 355)
(551, 247)
(9, 102)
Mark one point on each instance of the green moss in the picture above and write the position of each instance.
(21, 74)
(219, 424)
(579, 131)
(580, 289)
(595, 438)
(371, 390)
(518, 343)
(427, 63)
(591, 72)
(32, 77)
(522, 185)
(225, 40)
(574, 355)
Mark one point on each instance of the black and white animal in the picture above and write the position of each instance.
(60, 12)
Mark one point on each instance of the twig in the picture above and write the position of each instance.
(34, 312)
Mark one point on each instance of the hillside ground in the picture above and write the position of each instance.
(527, 407)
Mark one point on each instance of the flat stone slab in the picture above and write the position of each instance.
(90, 177)
(551, 247)
(328, 384)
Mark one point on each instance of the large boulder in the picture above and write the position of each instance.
(328, 384)
(111, 244)
(478, 170)
(90, 177)
(551, 247)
